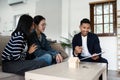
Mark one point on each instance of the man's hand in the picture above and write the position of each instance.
(95, 57)
(59, 58)
(32, 48)
(78, 50)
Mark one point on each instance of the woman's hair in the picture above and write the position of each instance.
(37, 19)
(24, 25)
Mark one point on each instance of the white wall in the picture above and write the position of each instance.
(7, 14)
(109, 45)
(51, 10)
(118, 4)
(72, 12)
(75, 10)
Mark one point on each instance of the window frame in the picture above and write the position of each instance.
(114, 17)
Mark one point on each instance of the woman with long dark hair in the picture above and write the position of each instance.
(15, 52)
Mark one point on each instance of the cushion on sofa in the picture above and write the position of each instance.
(3, 41)
(10, 76)
(58, 47)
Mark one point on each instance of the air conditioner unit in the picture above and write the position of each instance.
(14, 2)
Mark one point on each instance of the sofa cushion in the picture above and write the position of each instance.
(10, 76)
(58, 47)
(6, 76)
(3, 41)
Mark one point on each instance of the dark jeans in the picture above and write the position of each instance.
(21, 66)
(100, 60)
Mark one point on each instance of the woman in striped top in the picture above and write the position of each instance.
(15, 52)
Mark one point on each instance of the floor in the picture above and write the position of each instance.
(113, 75)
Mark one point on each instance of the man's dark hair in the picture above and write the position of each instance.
(85, 20)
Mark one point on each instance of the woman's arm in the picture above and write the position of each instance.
(17, 45)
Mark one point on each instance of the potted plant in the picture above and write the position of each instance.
(67, 42)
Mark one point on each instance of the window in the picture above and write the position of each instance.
(103, 18)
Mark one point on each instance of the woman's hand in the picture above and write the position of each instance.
(59, 58)
(32, 48)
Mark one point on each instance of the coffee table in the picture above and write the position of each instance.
(61, 71)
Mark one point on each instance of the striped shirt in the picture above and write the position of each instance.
(15, 47)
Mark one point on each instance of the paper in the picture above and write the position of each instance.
(91, 56)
